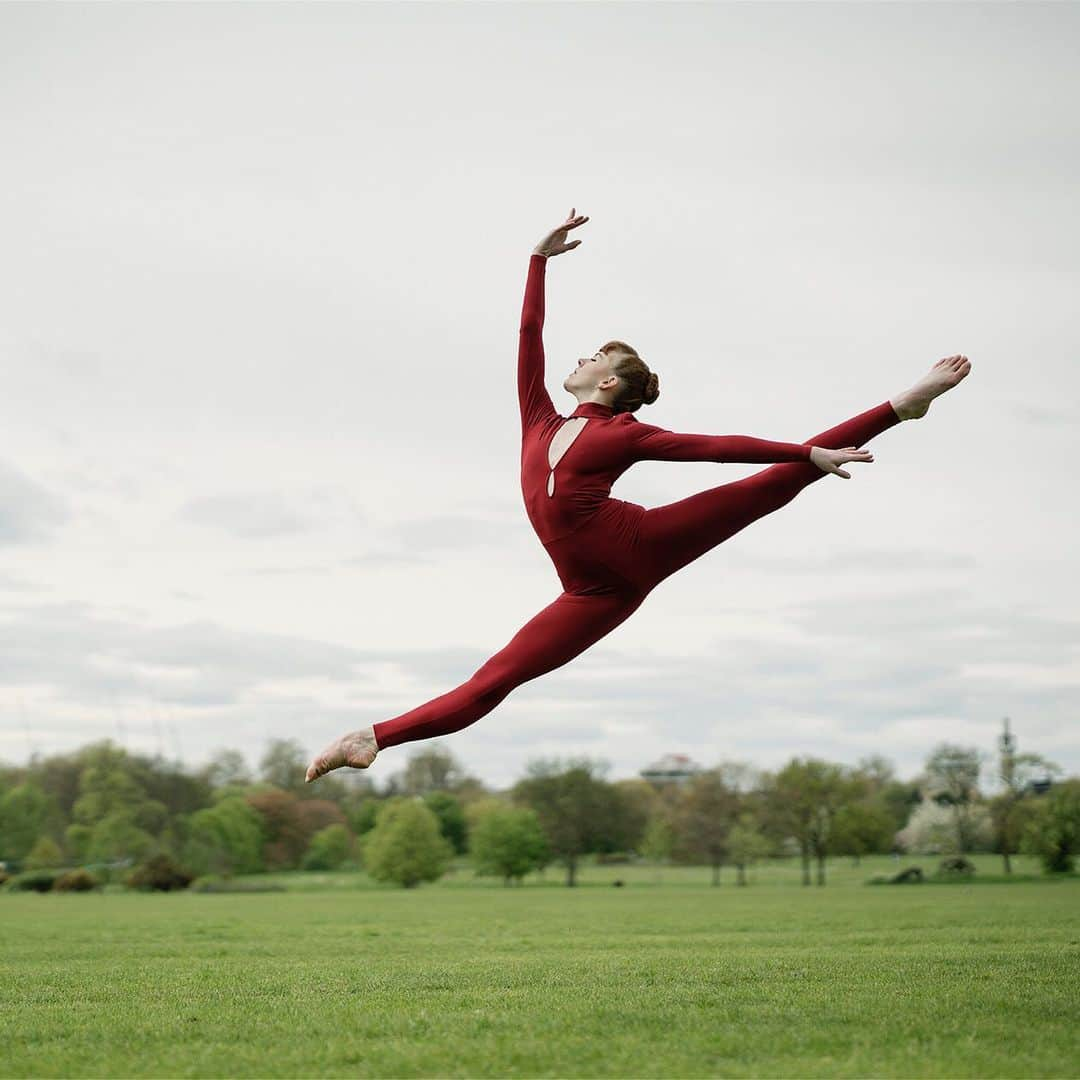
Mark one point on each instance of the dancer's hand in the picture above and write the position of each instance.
(555, 241)
(828, 460)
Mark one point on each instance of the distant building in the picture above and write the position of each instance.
(671, 769)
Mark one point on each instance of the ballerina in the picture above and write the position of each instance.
(610, 554)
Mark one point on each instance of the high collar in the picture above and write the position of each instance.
(594, 408)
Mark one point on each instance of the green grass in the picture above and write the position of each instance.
(466, 978)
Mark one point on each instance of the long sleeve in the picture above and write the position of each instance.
(649, 443)
(533, 398)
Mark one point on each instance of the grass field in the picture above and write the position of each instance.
(666, 977)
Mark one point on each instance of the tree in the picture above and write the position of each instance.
(705, 817)
(226, 838)
(1053, 832)
(659, 840)
(952, 779)
(899, 798)
(77, 839)
(451, 817)
(803, 800)
(329, 848)
(227, 768)
(24, 810)
(862, 827)
(431, 769)
(1017, 774)
(406, 845)
(508, 842)
(640, 802)
(931, 830)
(109, 790)
(362, 818)
(118, 838)
(289, 823)
(578, 811)
(45, 854)
(283, 765)
(746, 844)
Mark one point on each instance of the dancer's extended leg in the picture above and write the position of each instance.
(553, 637)
(674, 535)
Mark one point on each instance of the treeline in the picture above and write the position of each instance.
(106, 810)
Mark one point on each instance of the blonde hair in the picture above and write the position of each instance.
(640, 386)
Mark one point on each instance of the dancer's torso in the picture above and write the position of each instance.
(568, 465)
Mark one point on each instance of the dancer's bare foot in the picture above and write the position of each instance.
(357, 750)
(944, 375)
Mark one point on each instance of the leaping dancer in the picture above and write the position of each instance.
(610, 554)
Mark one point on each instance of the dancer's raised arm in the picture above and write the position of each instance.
(533, 398)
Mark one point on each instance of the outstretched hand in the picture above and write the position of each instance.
(829, 460)
(555, 241)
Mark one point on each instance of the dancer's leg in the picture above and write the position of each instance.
(561, 631)
(672, 536)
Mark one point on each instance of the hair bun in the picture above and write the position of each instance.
(652, 388)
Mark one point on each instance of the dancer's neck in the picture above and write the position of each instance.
(594, 408)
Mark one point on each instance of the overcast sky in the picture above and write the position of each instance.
(261, 273)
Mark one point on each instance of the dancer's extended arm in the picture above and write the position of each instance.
(533, 398)
(650, 443)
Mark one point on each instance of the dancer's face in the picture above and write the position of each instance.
(591, 374)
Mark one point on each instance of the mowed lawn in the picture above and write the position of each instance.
(667, 977)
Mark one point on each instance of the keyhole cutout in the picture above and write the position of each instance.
(560, 443)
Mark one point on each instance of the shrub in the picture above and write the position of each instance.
(508, 842)
(33, 881)
(913, 875)
(328, 849)
(4, 876)
(955, 866)
(406, 846)
(76, 881)
(160, 873)
(44, 855)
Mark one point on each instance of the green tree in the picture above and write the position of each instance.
(283, 766)
(45, 854)
(226, 838)
(1017, 774)
(508, 842)
(640, 803)
(109, 789)
(118, 838)
(746, 844)
(451, 815)
(803, 800)
(863, 827)
(363, 817)
(1053, 832)
(659, 840)
(329, 848)
(77, 838)
(578, 811)
(952, 779)
(227, 768)
(406, 845)
(708, 810)
(24, 810)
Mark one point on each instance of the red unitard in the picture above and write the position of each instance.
(609, 554)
